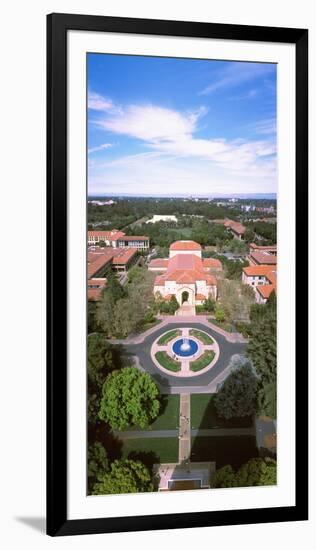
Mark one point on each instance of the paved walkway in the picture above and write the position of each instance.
(233, 337)
(204, 382)
(185, 428)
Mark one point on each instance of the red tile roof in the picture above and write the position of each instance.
(112, 235)
(235, 226)
(272, 247)
(185, 269)
(263, 258)
(200, 297)
(159, 262)
(185, 245)
(123, 256)
(212, 263)
(133, 238)
(265, 290)
(238, 228)
(100, 257)
(257, 270)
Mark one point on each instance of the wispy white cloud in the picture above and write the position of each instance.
(97, 102)
(152, 123)
(235, 74)
(265, 127)
(176, 157)
(148, 174)
(251, 94)
(99, 148)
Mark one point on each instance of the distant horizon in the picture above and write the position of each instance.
(244, 196)
(170, 125)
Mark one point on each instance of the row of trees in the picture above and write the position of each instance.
(256, 472)
(262, 350)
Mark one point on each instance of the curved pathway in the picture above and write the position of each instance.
(140, 348)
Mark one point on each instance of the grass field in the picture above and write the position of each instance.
(204, 416)
(202, 361)
(165, 338)
(151, 451)
(234, 450)
(167, 362)
(168, 418)
(205, 338)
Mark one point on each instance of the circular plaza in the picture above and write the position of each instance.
(185, 352)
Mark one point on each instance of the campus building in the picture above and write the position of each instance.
(262, 255)
(185, 274)
(163, 218)
(262, 278)
(236, 228)
(118, 239)
(103, 260)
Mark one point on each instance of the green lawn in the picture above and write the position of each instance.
(202, 361)
(185, 232)
(168, 418)
(165, 338)
(234, 450)
(204, 416)
(151, 451)
(224, 325)
(167, 362)
(205, 338)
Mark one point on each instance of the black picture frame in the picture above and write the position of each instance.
(57, 27)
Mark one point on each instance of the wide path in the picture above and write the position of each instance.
(204, 383)
(185, 428)
(155, 434)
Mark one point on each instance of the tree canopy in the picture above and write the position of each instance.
(256, 472)
(262, 350)
(125, 476)
(97, 462)
(100, 358)
(237, 395)
(129, 397)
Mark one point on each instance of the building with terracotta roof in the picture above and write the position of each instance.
(103, 260)
(132, 241)
(118, 239)
(236, 228)
(262, 255)
(262, 278)
(107, 237)
(184, 275)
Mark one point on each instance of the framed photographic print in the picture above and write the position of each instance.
(177, 306)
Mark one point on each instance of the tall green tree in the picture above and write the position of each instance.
(129, 397)
(125, 476)
(98, 463)
(237, 395)
(100, 359)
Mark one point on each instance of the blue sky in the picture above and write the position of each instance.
(165, 126)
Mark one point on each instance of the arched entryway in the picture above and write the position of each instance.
(184, 296)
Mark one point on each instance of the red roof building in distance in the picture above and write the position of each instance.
(236, 228)
(118, 239)
(262, 278)
(184, 275)
(107, 237)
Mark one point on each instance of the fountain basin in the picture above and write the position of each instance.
(185, 347)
